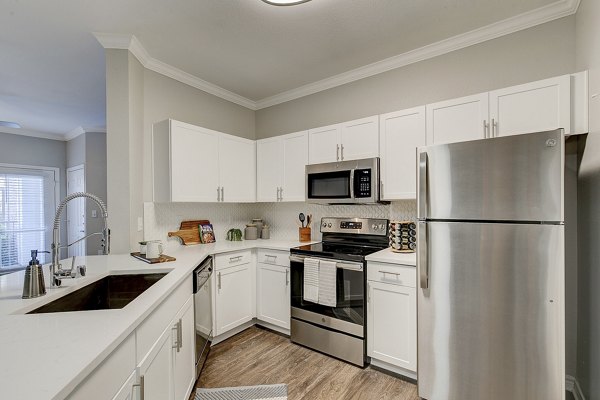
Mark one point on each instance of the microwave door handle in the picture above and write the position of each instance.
(351, 183)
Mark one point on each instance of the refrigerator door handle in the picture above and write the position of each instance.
(423, 204)
(423, 256)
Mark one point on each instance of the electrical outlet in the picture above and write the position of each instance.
(140, 224)
(94, 213)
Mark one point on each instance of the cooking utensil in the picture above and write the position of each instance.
(308, 220)
(302, 218)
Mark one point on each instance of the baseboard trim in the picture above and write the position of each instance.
(572, 386)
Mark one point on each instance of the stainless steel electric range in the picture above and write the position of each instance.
(338, 330)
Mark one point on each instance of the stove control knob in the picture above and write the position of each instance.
(375, 227)
(382, 227)
(324, 224)
(329, 225)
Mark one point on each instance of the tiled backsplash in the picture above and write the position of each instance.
(160, 218)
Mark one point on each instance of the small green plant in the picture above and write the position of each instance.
(234, 235)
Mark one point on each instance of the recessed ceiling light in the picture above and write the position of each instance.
(285, 2)
(9, 124)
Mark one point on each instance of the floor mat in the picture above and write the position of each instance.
(264, 392)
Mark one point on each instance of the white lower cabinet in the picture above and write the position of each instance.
(156, 370)
(129, 389)
(234, 297)
(392, 315)
(273, 294)
(168, 370)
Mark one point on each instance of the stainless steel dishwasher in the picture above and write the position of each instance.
(203, 312)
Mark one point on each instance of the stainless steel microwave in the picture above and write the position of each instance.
(344, 182)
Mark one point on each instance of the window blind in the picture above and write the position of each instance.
(27, 201)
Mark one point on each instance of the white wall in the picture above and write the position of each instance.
(540, 52)
(588, 57)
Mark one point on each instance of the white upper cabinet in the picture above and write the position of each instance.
(350, 140)
(295, 159)
(324, 144)
(401, 132)
(237, 169)
(269, 158)
(194, 164)
(458, 120)
(280, 167)
(532, 107)
(360, 139)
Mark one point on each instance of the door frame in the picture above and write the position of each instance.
(69, 170)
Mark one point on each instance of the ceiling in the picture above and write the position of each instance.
(52, 74)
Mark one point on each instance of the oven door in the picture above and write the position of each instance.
(349, 314)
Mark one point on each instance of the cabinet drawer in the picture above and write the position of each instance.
(274, 257)
(392, 273)
(227, 260)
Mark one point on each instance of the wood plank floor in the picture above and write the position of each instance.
(260, 357)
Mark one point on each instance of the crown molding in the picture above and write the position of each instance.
(131, 43)
(32, 133)
(73, 133)
(520, 22)
(559, 9)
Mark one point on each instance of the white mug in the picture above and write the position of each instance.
(154, 249)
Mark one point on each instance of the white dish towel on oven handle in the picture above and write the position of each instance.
(327, 286)
(311, 280)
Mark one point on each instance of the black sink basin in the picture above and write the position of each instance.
(110, 292)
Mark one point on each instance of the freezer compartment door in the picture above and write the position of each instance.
(491, 313)
(513, 178)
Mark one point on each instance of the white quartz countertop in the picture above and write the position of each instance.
(45, 356)
(388, 256)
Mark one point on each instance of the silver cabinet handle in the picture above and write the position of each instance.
(218, 194)
(222, 193)
(271, 256)
(337, 152)
(219, 283)
(486, 129)
(390, 273)
(176, 329)
(234, 259)
(423, 262)
(369, 293)
(422, 211)
(342, 148)
(180, 334)
(280, 194)
(277, 194)
(494, 128)
(141, 386)
(287, 277)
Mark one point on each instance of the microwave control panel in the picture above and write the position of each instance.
(362, 183)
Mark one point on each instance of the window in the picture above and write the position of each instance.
(27, 203)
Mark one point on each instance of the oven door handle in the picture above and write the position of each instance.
(354, 266)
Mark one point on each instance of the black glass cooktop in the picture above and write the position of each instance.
(351, 252)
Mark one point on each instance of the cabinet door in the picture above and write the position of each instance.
(184, 353)
(237, 169)
(533, 107)
(233, 297)
(392, 324)
(273, 295)
(360, 139)
(156, 370)
(295, 159)
(324, 144)
(400, 134)
(194, 163)
(269, 160)
(458, 120)
(128, 390)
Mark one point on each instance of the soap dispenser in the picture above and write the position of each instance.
(34, 278)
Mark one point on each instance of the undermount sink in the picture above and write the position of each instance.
(110, 292)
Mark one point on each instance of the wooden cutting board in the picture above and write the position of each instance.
(188, 231)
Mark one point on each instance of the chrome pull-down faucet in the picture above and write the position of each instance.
(56, 271)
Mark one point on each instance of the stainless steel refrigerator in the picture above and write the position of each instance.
(490, 259)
